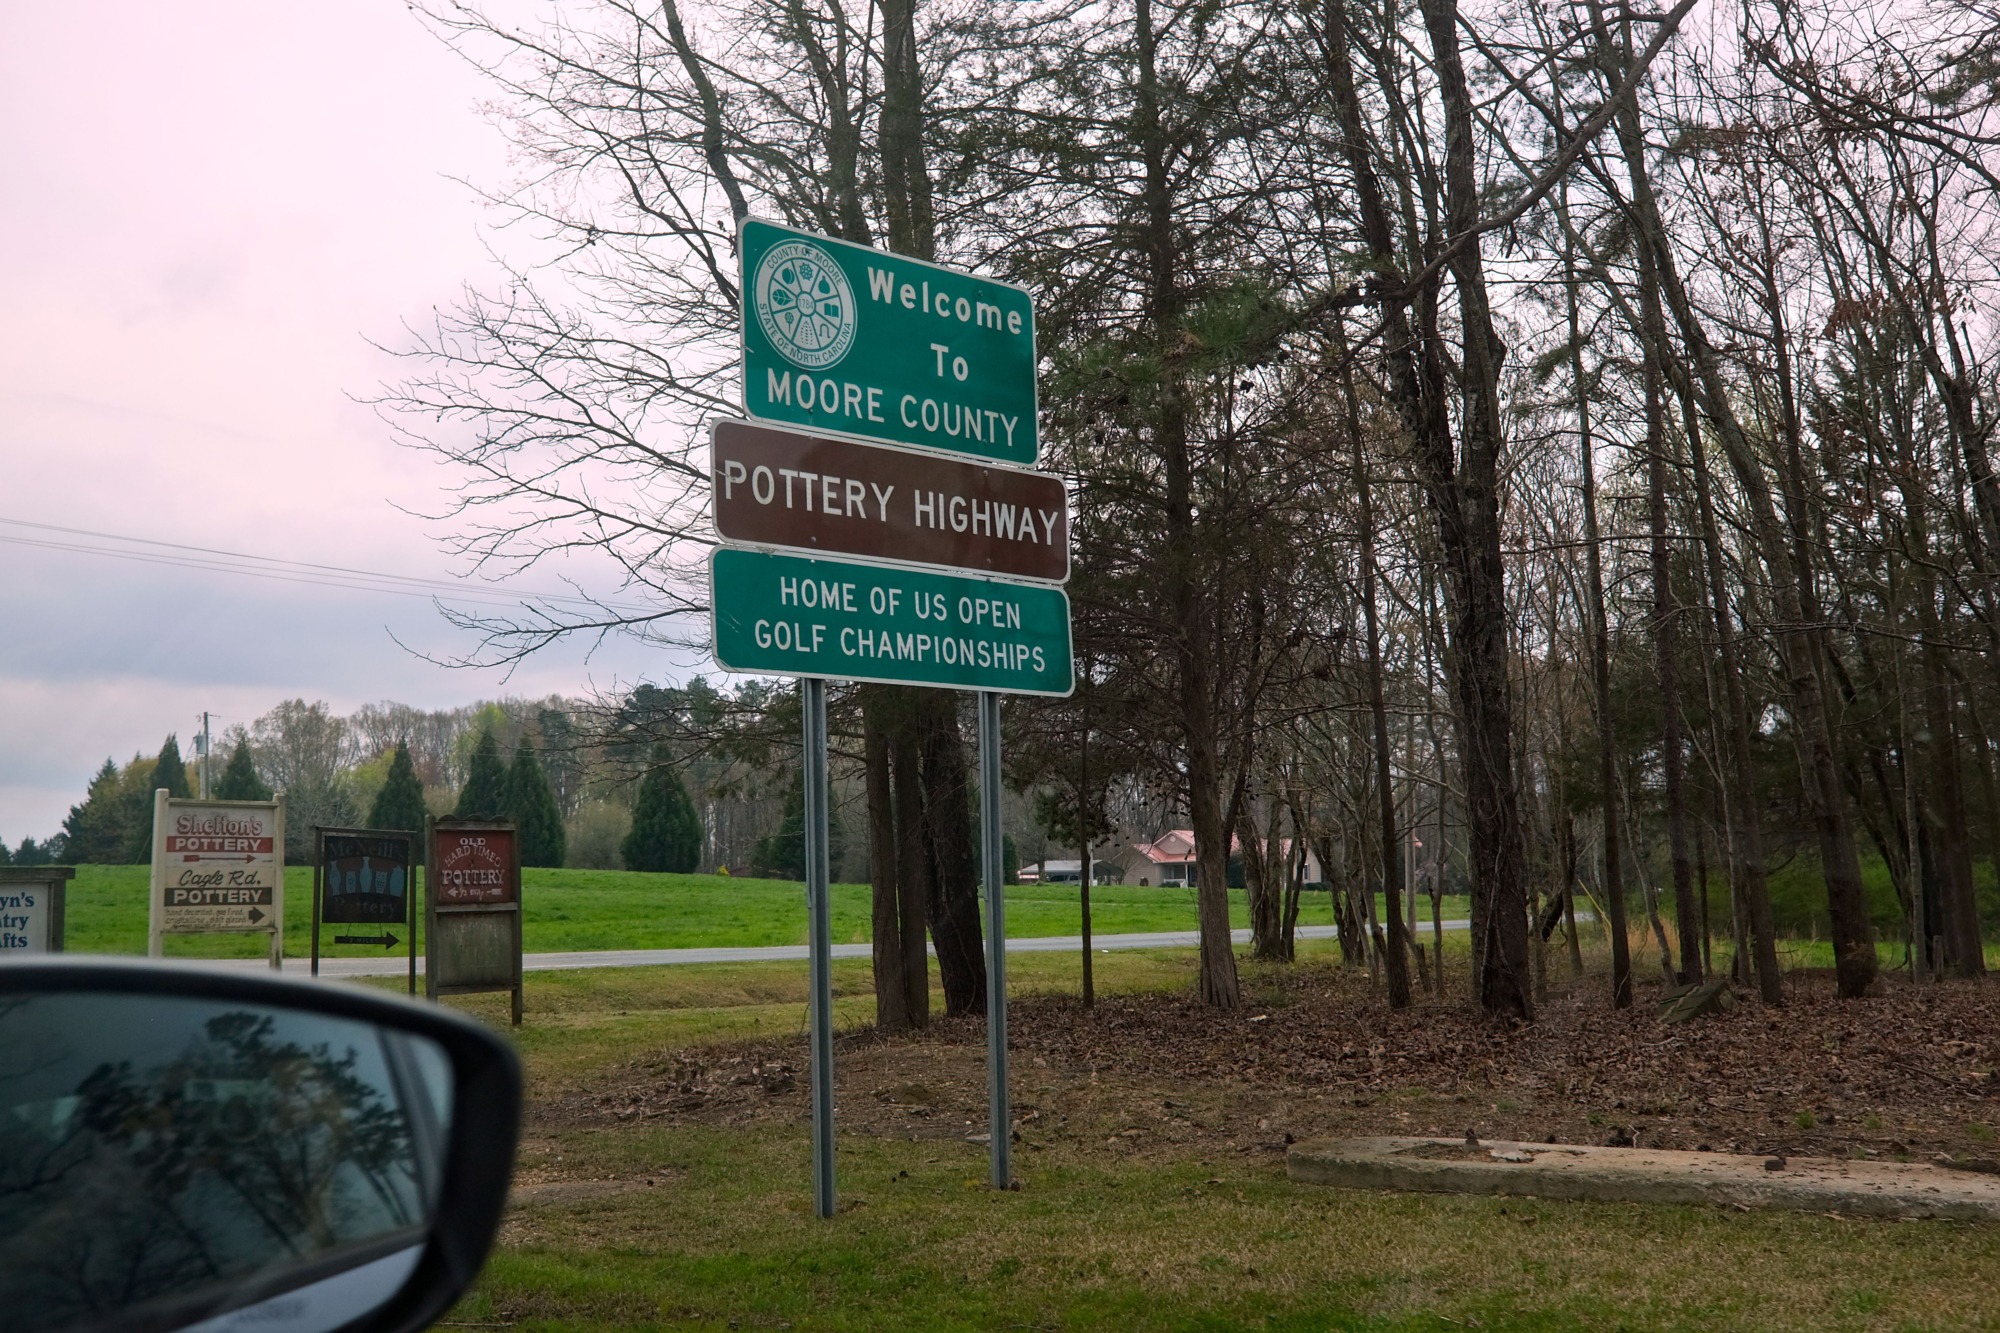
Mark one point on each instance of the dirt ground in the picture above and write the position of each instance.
(1907, 1074)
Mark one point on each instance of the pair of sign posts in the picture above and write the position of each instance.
(472, 903)
(217, 866)
(880, 522)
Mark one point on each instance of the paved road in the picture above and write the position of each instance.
(396, 966)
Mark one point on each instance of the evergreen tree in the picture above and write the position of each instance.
(1010, 853)
(400, 803)
(170, 772)
(485, 793)
(666, 831)
(29, 854)
(531, 803)
(96, 830)
(239, 781)
(7, 857)
(783, 854)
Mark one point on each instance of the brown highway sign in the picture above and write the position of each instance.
(831, 496)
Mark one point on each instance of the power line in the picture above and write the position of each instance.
(211, 559)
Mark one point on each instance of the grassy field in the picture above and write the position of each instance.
(615, 909)
(689, 1225)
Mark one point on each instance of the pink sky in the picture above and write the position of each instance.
(205, 211)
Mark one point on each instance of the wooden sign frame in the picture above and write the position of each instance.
(409, 922)
(226, 848)
(53, 882)
(454, 931)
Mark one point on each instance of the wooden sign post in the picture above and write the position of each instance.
(362, 877)
(472, 908)
(31, 908)
(217, 866)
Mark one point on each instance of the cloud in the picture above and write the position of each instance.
(193, 258)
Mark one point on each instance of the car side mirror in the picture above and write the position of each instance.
(183, 1148)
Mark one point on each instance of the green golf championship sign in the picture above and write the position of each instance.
(786, 615)
(839, 337)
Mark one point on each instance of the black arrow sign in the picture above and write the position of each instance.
(385, 940)
(254, 915)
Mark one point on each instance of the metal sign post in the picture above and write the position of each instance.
(948, 555)
(364, 877)
(1000, 1122)
(813, 697)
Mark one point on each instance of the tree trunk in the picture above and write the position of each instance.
(1600, 640)
(916, 876)
(1653, 337)
(1800, 639)
(892, 1010)
(947, 835)
(1467, 502)
(1392, 874)
(1746, 845)
(1185, 593)
(1261, 885)
(1461, 486)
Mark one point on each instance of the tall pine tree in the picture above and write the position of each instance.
(666, 831)
(783, 853)
(400, 803)
(484, 795)
(170, 772)
(96, 831)
(532, 806)
(239, 781)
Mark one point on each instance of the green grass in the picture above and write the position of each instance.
(705, 1226)
(577, 1021)
(616, 909)
(1798, 893)
(724, 1238)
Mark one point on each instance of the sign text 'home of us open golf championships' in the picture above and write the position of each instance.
(787, 615)
(839, 337)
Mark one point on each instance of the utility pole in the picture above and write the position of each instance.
(204, 754)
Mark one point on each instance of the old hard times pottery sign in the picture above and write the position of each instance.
(473, 869)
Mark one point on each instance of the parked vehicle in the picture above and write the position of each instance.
(186, 1148)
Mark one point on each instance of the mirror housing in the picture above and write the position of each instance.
(452, 1146)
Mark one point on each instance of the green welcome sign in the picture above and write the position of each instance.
(842, 338)
(786, 615)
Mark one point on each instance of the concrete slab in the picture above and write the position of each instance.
(1647, 1175)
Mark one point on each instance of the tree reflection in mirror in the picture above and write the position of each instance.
(166, 1161)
